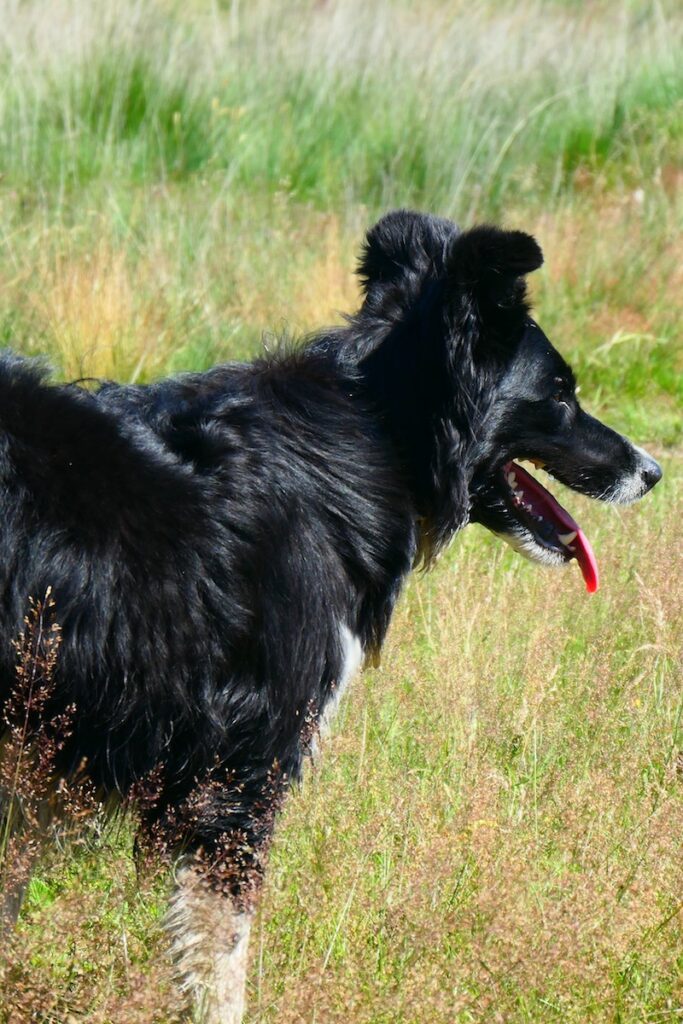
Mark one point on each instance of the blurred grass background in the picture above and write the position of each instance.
(494, 831)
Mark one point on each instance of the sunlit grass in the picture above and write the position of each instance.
(464, 108)
(493, 832)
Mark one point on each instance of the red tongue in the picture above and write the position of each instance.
(587, 561)
(545, 504)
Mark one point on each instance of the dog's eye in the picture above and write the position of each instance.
(562, 391)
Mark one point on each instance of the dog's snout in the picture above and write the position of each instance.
(651, 472)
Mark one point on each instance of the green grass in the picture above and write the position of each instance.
(493, 832)
(334, 111)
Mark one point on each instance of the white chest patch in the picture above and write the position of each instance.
(352, 657)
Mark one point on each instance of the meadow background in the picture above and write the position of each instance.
(494, 830)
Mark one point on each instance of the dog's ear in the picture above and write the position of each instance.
(486, 270)
(402, 244)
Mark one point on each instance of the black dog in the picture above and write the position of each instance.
(224, 548)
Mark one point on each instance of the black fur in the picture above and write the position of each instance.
(205, 537)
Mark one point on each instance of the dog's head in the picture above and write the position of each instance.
(470, 384)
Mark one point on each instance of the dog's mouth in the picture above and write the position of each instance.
(518, 508)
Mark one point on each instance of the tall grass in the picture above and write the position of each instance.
(178, 179)
(441, 105)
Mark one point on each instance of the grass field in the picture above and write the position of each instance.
(494, 832)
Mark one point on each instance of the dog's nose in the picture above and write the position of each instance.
(651, 472)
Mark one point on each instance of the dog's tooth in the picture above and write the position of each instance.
(567, 538)
(512, 480)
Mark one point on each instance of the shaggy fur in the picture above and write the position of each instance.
(217, 543)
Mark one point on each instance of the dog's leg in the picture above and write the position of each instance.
(11, 900)
(21, 847)
(209, 941)
(20, 858)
